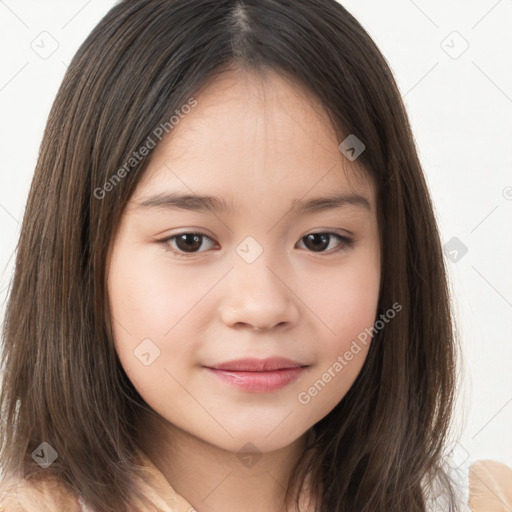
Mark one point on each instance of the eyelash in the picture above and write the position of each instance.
(346, 243)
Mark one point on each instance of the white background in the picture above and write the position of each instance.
(460, 106)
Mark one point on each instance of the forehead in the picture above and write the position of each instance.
(253, 136)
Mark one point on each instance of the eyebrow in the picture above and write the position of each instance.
(207, 203)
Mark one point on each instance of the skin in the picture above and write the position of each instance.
(259, 142)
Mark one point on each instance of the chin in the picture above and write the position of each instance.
(259, 440)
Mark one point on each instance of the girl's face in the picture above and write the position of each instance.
(253, 283)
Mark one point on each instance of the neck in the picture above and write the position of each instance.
(212, 479)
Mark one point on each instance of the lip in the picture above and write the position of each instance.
(258, 375)
(258, 365)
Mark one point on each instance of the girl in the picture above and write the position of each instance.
(229, 291)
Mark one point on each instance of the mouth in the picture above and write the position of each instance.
(258, 375)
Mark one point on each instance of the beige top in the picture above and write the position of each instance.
(490, 490)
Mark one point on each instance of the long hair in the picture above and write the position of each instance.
(381, 447)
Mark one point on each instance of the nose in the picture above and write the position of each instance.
(259, 297)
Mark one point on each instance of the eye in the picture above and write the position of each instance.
(319, 242)
(190, 243)
(185, 242)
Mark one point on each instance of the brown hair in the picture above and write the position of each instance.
(381, 447)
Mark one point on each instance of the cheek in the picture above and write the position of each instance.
(354, 308)
(345, 301)
(145, 309)
(347, 307)
(153, 300)
(149, 300)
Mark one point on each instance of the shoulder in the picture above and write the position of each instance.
(18, 494)
(490, 487)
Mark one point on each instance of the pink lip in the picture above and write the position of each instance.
(258, 375)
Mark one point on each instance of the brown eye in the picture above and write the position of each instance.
(189, 242)
(192, 243)
(185, 243)
(319, 242)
